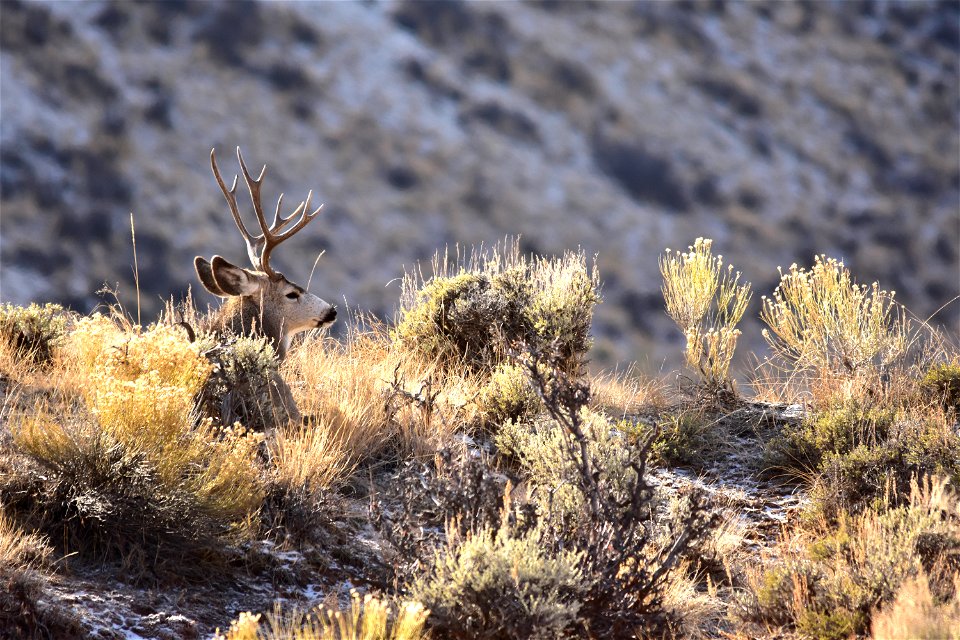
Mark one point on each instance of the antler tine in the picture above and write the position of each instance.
(275, 236)
(305, 218)
(259, 247)
(253, 243)
(279, 221)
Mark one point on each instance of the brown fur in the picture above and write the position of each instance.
(259, 304)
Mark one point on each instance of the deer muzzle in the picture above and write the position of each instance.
(327, 318)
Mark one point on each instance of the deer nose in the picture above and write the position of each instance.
(329, 316)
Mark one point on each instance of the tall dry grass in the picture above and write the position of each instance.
(916, 614)
(626, 393)
(376, 398)
(308, 461)
(828, 581)
(20, 550)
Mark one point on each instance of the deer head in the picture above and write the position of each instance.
(260, 300)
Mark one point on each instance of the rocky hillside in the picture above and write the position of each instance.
(781, 130)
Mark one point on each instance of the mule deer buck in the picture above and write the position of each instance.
(261, 301)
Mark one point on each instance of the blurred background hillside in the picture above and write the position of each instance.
(780, 129)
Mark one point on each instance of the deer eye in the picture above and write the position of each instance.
(293, 295)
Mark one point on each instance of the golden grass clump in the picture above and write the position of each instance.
(706, 301)
(915, 613)
(367, 618)
(141, 389)
(18, 549)
(340, 387)
(376, 398)
(822, 320)
(308, 460)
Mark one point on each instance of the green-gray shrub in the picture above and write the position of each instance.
(477, 312)
(943, 380)
(835, 582)
(494, 586)
(508, 396)
(541, 451)
(245, 385)
(863, 454)
(687, 437)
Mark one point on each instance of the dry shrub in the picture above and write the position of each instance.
(367, 618)
(696, 592)
(132, 467)
(706, 302)
(823, 320)
(541, 451)
(855, 448)
(32, 333)
(495, 572)
(873, 418)
(828, 582)
(915, 613)
(424, 499)
(476, 309)
(377, 399)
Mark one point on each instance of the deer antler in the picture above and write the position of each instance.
(260, 246)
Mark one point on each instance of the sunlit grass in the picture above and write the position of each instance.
(19, 549)
(376, 398)
(366, 618)
(138, 422)
(827, 582)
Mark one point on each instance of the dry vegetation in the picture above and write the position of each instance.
(463, 468)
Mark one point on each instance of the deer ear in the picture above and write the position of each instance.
(231, 279)
(205, 273)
